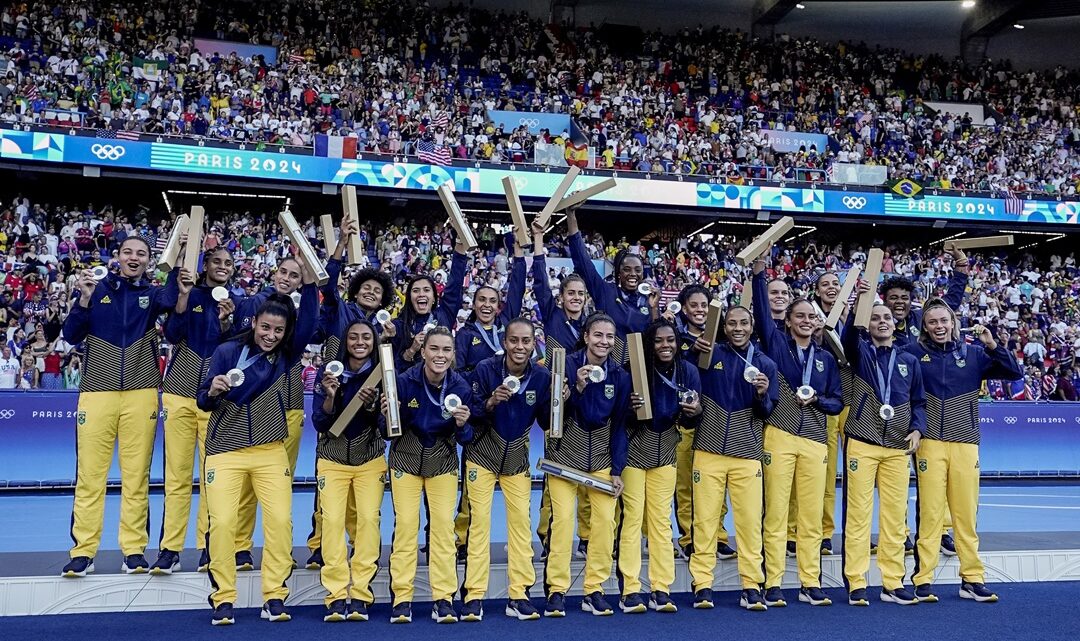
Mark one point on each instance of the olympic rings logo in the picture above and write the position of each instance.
(6, 414)
(854, 202)
(531, 123)
(1010, 420)
(108, 152)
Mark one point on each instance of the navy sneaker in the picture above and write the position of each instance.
(473, 611)
(522, 610)
(774, 597)
(661, 602)
(402, 613)
(924, 594)
(462, 553)
(274, 611)
(134, 564)
(167, 563)
(582, 551)
(814, 596)
(900, 595)
(751, 599)
(244, 561)
(335, 612)
(703, 599)
(357, 611)
(556, 605)
(314, 561)
(791, 548)
(909, 547)
(78, 567)
(858, 597)
(948, 546)
(632, 604)
(686, 551)
(826, 547)
(725, 552)
(597, 605)
(223, 615)
(442, 611)
(204, 561)
(978, 592)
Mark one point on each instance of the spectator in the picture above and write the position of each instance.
(29, 375)
(9, 369)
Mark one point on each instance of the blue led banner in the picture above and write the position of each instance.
(37, 430)
(632, 190)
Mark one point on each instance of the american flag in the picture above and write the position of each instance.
(112, 134)
(296, 58)
(427, 151)
(30, 92)
(1013, 204)
(442, 119)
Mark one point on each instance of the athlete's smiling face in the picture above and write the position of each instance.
(486, 304)
(738, 326)
(665, 345)
(360, 342)
(269, 331)
(370, 295)
(697, 308)
(134, 257)
(288, 277)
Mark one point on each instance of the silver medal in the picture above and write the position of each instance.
(805, 393)
(235, 376)
(512, 383)
(335, 368)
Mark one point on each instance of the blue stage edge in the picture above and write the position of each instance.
(1019, 439)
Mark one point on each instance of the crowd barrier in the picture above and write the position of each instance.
(37, 441)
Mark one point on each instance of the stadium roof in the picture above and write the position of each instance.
(949, 27)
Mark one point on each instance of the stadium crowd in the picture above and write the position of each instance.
(691, 102)
(1031, 303)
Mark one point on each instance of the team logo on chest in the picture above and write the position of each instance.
(530, 397)
(914, 330)
(820, 365)
(144, 302)
(609, 391)
(902, 368)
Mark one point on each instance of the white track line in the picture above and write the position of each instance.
(1031, 507)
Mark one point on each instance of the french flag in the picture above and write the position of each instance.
(335, 146)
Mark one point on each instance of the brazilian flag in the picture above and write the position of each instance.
(906, 188)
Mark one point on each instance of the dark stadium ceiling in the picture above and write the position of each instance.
(920, 26)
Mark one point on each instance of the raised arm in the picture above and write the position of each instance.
(515, 291)
(307, 318)
(603, 293)
(452, 296)
(763, 323)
